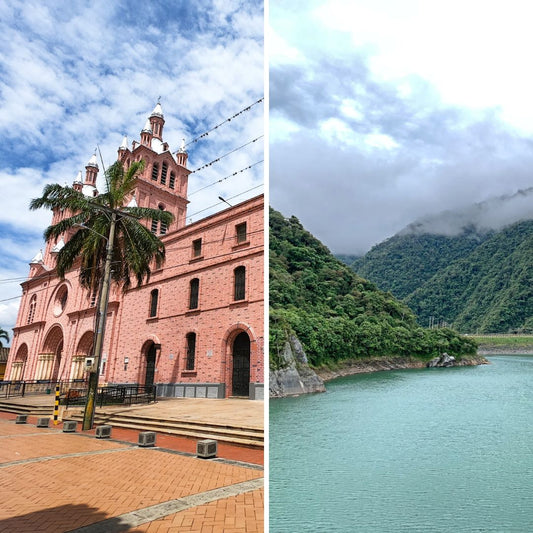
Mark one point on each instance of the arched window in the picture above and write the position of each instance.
(164, 170)
(154, 297)
(155, 171)
(191, 351)
(60, 301)
(31, 311)
(172, 180)
(240, 282)
(162, 225)
(193, 294)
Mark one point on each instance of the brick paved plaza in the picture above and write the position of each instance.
(57, 482)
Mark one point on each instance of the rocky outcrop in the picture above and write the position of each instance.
(294, 377)
(442, 361)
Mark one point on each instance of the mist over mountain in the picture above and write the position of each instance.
(492, 214)
(490, 290)
(468, 268)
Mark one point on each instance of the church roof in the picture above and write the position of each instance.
(182, 147)
(89, 190)
(158, 111)
(132, 203)
(147, 126)
(92, 162)
(38, 258)
(58, 247)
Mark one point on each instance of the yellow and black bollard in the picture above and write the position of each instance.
(56, 406)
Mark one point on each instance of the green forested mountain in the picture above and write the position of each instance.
(335, 313)
(474, 283)
(402, 263)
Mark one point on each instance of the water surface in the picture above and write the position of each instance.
(440, 450)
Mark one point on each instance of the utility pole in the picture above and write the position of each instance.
(88, 415)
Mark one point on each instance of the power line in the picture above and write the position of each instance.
(172, 248)
(13, 298)
(226, 177)
(229, 119)
(164, 268)
(225, 155)
(231, 198)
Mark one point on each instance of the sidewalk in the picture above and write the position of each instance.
(57, 482)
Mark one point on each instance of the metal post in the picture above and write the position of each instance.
(56, 406)
(88, 416)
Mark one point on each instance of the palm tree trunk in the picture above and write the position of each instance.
(88, 416)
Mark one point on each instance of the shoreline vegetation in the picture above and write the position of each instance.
(365, 365)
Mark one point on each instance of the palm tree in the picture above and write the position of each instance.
(4, 336)
(135, 246)
(126, 252)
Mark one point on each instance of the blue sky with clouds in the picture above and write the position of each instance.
(74, 75)
(385, 112)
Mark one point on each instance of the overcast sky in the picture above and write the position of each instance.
(77, 74)
(382, 112)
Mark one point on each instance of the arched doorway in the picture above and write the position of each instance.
(151, 353)
(241, 365)
(17, 368)
(84, 349)
(57, 361)
(50, 357)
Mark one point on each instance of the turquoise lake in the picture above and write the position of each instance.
(433, 450)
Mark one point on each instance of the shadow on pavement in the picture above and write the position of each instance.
(63, 519)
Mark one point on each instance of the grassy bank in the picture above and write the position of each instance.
(504, 343)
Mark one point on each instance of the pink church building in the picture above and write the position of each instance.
(196, 329)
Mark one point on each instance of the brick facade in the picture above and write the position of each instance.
(195, 329)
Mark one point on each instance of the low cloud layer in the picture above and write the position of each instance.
(357, 157)
(492, 214)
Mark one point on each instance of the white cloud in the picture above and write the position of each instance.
(280, 51)
(75, 76)
(380, 140)
(335, 130)
(475, 53)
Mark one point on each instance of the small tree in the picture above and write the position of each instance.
(4, 336)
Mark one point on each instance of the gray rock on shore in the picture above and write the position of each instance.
(295, 377)
(443, 360)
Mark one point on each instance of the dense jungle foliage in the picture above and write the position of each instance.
(335, 313)
(482, 285)
(402, 263)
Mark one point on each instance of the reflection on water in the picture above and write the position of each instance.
(441, 450)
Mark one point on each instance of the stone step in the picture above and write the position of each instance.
(203, 434)
(240, 436)
(253, 432)
(22, 409)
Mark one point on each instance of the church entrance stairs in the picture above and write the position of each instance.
(232, 421)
